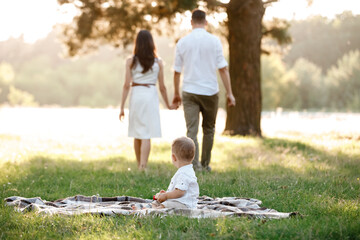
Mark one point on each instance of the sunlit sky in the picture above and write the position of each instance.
(35, 19)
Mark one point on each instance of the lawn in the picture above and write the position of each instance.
(316, 175)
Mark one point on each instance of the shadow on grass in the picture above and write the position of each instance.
(328, 198)
(293, 171)
(55, 177)
(275, 150)
(343, 163)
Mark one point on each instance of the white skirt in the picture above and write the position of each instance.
(144, 113)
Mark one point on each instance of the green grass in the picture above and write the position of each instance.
(317, 176)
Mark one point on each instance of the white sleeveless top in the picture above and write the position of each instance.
(150, 77)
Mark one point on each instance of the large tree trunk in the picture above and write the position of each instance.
(245, 33)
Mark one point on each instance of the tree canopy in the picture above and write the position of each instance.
(117, 22)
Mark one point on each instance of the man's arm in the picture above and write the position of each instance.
(177, 98)
(225, 77)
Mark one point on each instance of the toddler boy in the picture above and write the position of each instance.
(183, 190)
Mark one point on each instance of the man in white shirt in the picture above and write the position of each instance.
(200, 55)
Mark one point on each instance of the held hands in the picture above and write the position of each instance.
(176, 102)
(172, 107)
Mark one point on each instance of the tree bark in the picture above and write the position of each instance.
(245, 33)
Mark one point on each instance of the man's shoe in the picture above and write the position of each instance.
(207, 168)
(198, 168)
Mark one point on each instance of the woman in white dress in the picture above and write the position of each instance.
(143, 70)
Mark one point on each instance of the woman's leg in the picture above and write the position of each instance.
(144, 153)
(137, 146)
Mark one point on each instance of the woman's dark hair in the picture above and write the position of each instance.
(144, 51)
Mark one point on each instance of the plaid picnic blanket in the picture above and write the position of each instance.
(124, 205)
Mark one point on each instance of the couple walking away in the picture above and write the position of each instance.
(199, 55)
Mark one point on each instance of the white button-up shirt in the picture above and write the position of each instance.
(200, 54)
(185, 180)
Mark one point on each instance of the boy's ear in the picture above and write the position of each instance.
(173, 157)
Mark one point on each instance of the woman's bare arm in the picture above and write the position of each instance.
(126, 88)
(162, 86)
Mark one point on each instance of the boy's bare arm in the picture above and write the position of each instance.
(157, 194)
(176, 193)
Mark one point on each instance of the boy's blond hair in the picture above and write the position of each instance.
(184, 148)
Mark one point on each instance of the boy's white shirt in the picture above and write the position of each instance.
(186, 180)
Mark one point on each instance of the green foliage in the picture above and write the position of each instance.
(7, 75)
(344, 82)
(117, 22)
(303, 86)
(316, 176)
(18, 97)
(41, 84)
(273, 72)
(84, 82)
(323, 41)
(277, 29)
(309, 83)
(295, 88)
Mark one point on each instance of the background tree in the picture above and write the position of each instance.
(17, 97)
(7, 75)
(346, 77)
(117, 21)
(273, 72)
(309, 82)
(323, 41)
